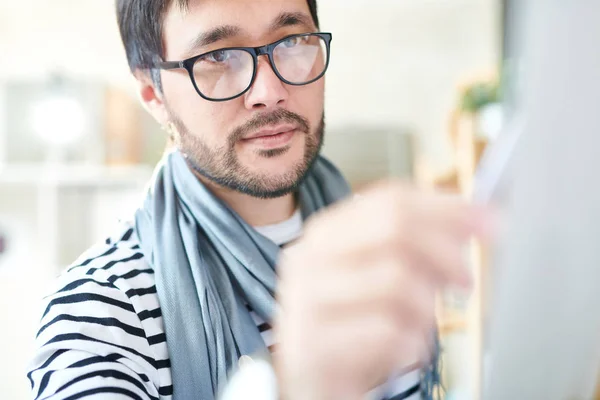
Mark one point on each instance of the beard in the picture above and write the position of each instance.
(222, 165)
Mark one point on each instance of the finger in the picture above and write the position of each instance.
(386, 214)
(384, 286)
(435, 236)
(443, 210)
(438, 255)
(450, 212)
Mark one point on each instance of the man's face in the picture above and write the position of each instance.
(217, 137)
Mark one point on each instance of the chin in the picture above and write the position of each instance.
(291, 156)
(277, 160)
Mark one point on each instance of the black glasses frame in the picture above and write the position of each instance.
(255, 52)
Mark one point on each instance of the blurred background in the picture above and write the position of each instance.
(412, 91)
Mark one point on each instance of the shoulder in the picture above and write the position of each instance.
(117, 260)
(112, 273)
(105, 303)
(105, 279)
(102, 314)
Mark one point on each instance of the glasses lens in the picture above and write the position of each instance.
(223, 74)
(301, 59)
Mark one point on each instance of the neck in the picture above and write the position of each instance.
(255, 211)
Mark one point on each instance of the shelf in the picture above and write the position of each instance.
(74, 175)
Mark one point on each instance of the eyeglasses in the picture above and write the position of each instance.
(225, 74)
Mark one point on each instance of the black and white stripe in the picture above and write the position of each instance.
(101, 334)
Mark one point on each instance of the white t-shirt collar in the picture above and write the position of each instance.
(283, 232)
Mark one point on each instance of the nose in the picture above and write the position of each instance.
(268, 91)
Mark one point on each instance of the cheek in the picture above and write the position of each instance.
(209, 121)
(308, 101)
(178, 89)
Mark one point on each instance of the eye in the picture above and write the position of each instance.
(219, 56)
(294, 41)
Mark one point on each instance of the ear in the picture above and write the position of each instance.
(151, 97)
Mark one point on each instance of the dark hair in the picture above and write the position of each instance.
(140, 23)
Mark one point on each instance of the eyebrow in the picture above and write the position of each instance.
(214, 35)
(291, 19)
(224, 32)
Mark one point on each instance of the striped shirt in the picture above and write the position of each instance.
(101, 334)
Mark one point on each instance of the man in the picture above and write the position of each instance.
(168, 306)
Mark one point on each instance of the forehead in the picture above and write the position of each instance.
(252, 17)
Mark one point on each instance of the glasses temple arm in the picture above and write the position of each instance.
(170, 65)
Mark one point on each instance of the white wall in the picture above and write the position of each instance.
(79, 36)
(22, 282)
(399, 61)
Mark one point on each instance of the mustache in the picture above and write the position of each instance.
(267, 119)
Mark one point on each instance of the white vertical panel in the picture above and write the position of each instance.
(545, 326)
(3, 123)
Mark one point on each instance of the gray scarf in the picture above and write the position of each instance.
(208, 263)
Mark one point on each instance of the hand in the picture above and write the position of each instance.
(357, 292)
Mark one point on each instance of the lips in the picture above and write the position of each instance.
(270, 140)
(266, 132)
